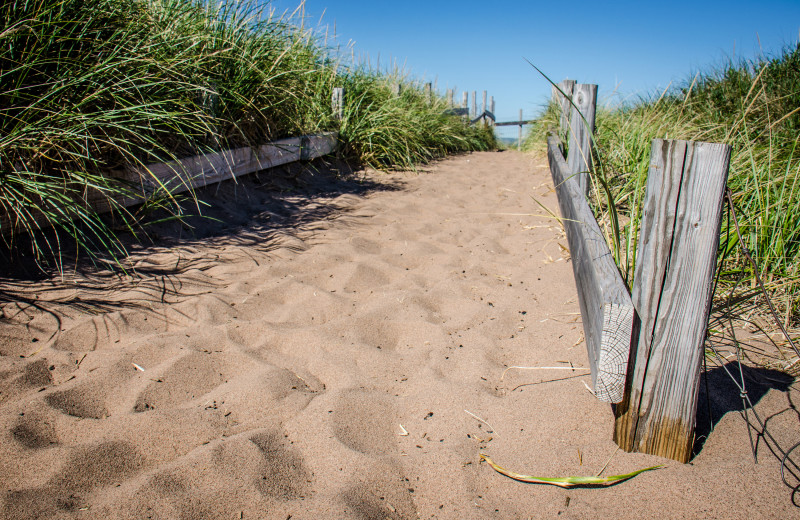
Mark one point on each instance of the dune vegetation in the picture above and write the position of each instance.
(753, 105)
(90, 86)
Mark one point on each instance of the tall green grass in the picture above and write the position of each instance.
(752, 105)
(88, 87)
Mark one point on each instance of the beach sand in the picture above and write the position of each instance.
(342, 352)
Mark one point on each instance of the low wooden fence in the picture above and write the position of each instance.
(645, 346)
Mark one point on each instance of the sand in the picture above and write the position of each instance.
(342, 352)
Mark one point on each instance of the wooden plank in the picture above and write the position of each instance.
(515, 123)
(584, 98)
(606, 308)
(674, 273)
(195, 172)
(337, 103)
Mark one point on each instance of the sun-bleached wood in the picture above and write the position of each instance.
(172, 178)
(584, 99)
(563, 101)
(606, 308)
(337, 103)
(672, 293)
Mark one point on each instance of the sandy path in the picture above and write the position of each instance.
(279, 389)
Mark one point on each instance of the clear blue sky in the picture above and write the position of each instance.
(635, 47)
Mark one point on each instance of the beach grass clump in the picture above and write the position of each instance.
(381, 128)
(752, 105)
(90, 87)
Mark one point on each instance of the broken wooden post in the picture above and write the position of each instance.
(606, 308)
(672, 292)
(584, 99)
(337, 102)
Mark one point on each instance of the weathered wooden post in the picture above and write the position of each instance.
(584, 98)
(567, 86)
(606, 308)
(519, 139)
(465, 99)
(428, 92)
(396, 89)
(672, 293)
(337, 102)
(491, 111)
(484, 106)
(450, 98)
(474, 104)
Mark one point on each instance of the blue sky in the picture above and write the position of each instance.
(631, 47)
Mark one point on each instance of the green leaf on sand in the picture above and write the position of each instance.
(566, 482)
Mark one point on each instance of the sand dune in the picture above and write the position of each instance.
(343, 363)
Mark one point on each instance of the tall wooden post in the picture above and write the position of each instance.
(474, 104)
(483, 106)
(581, 125)
(672, 293)
(428, 92)
(465, 99)
(567, 86)
(449, 98)
(491, 110)
(337, 102)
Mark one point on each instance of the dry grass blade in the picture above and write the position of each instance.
(566, 482)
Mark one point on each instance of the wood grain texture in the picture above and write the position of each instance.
(672, 291)
(606, 306)
(337, 103)
(567, 86)
(187, 174)
(581, 126)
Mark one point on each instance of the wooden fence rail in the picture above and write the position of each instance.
(645, 350)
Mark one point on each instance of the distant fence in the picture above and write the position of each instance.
(645, 349)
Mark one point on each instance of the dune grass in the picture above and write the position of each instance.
(753, 106)
(88, 87)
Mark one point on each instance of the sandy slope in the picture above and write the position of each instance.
(280, 382)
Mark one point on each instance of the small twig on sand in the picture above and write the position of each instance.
(573, 368)
(491, 429)
(607, 463)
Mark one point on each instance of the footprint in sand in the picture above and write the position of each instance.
(362, 421)
(83, 401)
(189, 378)
(88, 468)
(35, 430)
